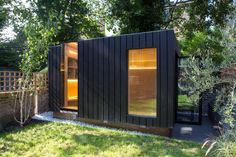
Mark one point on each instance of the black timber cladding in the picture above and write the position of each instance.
(55, 78)
(103, 77)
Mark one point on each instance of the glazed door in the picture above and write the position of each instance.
(71, 76)
(186, 111)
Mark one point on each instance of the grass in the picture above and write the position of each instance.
(57, 139)
(184, 102)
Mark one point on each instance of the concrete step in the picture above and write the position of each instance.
(65, 115)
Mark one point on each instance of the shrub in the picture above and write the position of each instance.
(222, 146)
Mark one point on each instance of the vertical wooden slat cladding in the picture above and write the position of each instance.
(96, 83)
(62, 76)
(50, 77)
(129, 46)
(90, 79)
(58, 89)
(149, 39)
(111, 52)
(117, 79)
(136, 45)
(149, 43)
(103, 69)
(156, 43)
(85, 79)
(124, 79)
(55, 78)
(171, 74)
(81, 79)
(106, 78)
(142, 40)
(100, 78)
(164, 77)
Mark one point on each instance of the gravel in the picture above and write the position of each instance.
(48, 116)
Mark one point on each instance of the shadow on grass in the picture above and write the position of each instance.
(72, 140)
(146, 146)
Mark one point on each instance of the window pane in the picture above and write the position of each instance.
(142, 82)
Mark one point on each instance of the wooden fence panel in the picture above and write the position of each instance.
(9, 81)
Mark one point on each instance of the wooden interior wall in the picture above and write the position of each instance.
(55, 78)
(103, 77)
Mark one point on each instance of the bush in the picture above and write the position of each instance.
(222, 146)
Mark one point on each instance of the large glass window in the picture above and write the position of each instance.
(142, 90)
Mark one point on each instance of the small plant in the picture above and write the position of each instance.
(23, 99)
(222, 146)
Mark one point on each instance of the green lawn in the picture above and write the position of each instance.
(57, 139)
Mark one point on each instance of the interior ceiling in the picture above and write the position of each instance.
(73, 45)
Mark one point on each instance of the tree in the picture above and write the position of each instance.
(204, 45)
(196, 23)
(203, 75)
(45, 23)
(191, 16)
(186, 16)
(137, 15)
(11, 51)
(70, 17)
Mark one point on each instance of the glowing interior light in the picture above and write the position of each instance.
(73, 52)
(73, 88)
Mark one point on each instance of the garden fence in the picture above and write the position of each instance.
(9, 81)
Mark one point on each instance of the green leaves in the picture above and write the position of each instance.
(202, 44)
(3, 14)
(45, 23)
(137, 16)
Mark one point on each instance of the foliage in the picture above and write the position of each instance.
(99, 12)
(203, 44)
(136, 16)
(45, 23)
(58, 139)
(196, 23)
(186, 17)
(11, 52)
(200, 16)
(72, 18)
(226, 104)
(3, 14)
(226, 101)
(198, 75)
(222, 146)
(38, 36)
(203, 75)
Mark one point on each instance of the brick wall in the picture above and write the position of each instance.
(7, 100)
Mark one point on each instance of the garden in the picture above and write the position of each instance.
(206, 34)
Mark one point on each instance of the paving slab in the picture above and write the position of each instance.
(197, 133)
